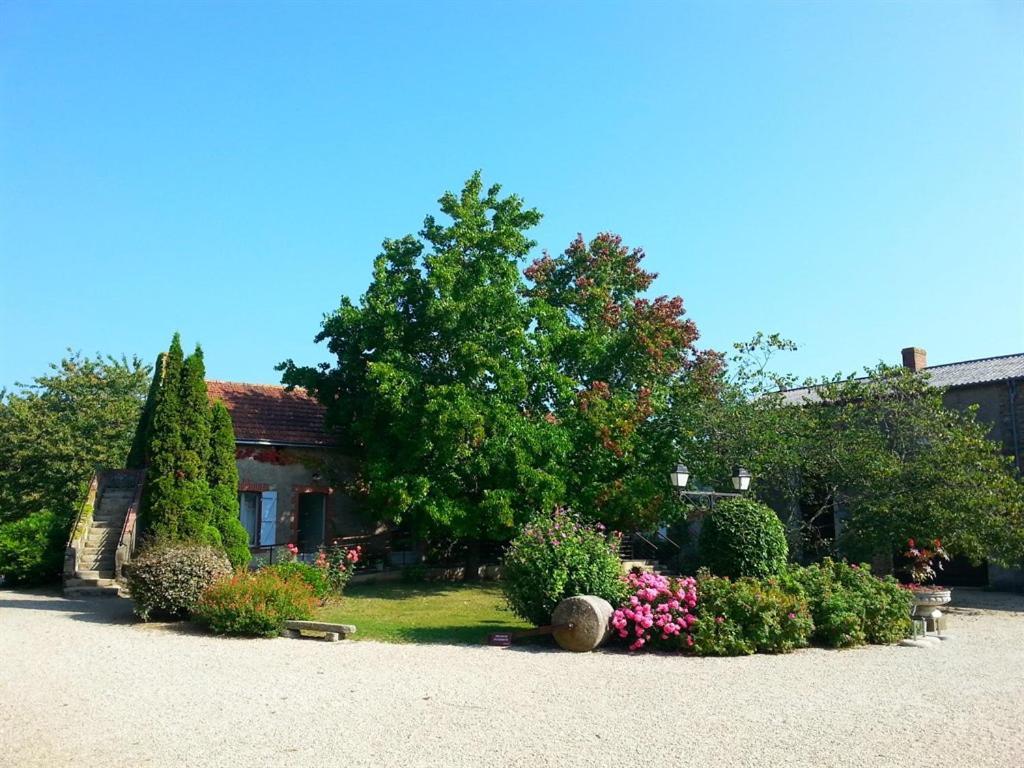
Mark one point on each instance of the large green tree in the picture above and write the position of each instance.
(431, 387)
(613, 365)
(473, 394)
(54, 434)
(64, 426)
(880, 449)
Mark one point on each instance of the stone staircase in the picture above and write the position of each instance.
(95, 561)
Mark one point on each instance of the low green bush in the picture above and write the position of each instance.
(741, 537)
(556, 556)
(851, 606)
(255, 604)
(747, 616)
(32, 549)
(315, 578)
(167, 579)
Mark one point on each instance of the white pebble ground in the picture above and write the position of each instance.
(81, 685)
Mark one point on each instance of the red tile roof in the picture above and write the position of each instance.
(263, 413)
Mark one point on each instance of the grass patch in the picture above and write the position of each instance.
(424, 613)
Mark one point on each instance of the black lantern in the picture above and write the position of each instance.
(741, 479)
(680, 476)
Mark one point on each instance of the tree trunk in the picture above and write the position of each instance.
(472, 566)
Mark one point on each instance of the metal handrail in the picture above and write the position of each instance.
(71, 550)
(126, 543)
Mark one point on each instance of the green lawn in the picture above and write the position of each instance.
(424, 613)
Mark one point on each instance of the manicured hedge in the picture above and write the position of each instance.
(741, 537)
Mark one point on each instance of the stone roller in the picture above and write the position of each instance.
(581, 623)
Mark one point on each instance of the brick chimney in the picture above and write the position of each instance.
(915, 358)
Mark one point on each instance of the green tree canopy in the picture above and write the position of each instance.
(472, 397)
(431, 388)
(881, 449)
(613, 364)
(66, 425)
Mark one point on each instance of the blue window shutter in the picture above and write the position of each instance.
(268, 519)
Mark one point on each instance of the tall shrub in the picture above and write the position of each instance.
(196, 521)
(137, 456)
(163, 499)
(556, 556)
(741, 537)
(222, 475)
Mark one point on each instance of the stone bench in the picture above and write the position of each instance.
(330, 632)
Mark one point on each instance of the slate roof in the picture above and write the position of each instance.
(962, 374)
(268, 414)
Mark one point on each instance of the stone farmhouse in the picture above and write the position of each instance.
(292, 476)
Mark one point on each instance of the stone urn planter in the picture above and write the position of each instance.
(927, 602)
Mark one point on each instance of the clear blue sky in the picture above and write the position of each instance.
(850, 174)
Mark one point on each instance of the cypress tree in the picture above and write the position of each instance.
(138, 456)
(163, 502)
(196, 513)
(222, 474)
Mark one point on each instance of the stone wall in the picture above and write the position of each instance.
(996, 409)
(294, 471)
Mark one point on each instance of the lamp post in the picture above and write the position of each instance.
(680, 476)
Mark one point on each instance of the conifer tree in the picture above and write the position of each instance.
(163, 499)
(196, 512)
(137, 456)
(222, 475)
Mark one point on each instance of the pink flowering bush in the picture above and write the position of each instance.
(658, 614)
(555, 556)
(338, 563)
(328, 574)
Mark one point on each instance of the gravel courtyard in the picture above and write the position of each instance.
(82, 685)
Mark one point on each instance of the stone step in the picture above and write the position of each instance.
(98, 543)
(104, 553)
(102, 536)
(111, 591)
(98, 564)
(102, 573)
(105, 524)
(90, 583)
(105, 530)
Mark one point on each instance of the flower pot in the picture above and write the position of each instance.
(927, 603)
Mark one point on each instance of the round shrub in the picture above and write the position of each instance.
(741, 537)
(659, 612)
(32, 549)
(748, 616)
(255, 604)
(167, 579)
(315, 578)
(556, 556)
(851, 606)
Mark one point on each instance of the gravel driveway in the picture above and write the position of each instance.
(81, 685)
